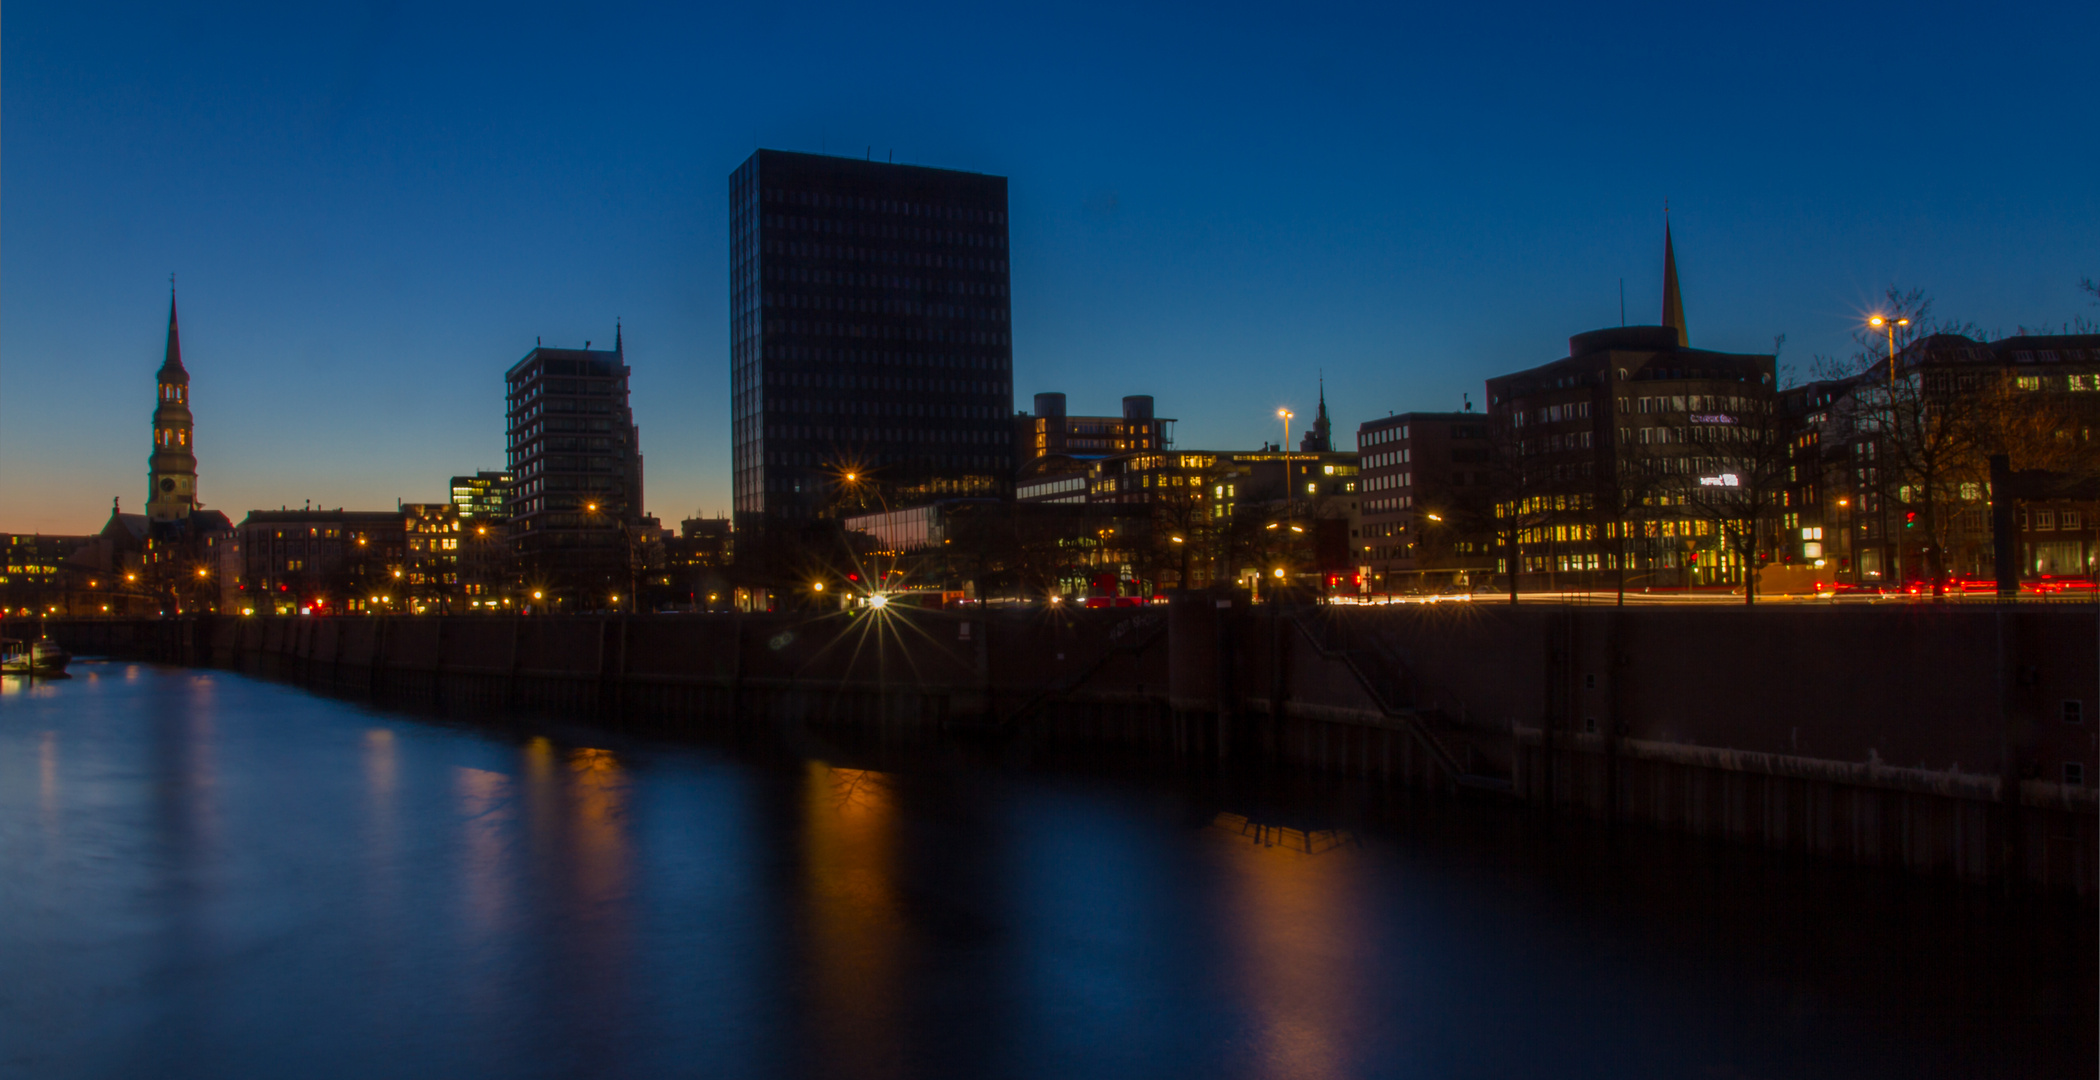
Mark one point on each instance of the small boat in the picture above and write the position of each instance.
(39, 657)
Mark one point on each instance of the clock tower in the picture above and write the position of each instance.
(172, 490)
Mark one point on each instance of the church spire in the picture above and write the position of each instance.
(171, 369)
(1673, 301)
(172, 470)
(618, 349)
(1319, 438)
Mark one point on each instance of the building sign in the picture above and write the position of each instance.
(1712, 418)
(1726, 479)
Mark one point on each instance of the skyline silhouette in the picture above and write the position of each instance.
(374, 214)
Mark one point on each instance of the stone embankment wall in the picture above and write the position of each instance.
(1914, 737)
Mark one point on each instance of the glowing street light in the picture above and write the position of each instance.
(1285, 415)
(818, 586)
(1880, 322)
(1175, 539)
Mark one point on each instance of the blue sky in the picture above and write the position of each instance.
(375, 209)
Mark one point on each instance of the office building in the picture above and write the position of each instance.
(1425, 492)
(576, 471)
(483, 497)
(431, 572)
(1049, 433)
(871, 338)
(1595, 454)
(312, 561)
(1855, 512)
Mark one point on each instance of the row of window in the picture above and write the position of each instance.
(941, 335)
(843, 380)
(922, 259)
(878, 306)
(811, 275)
(1693, 403)
(818, 200)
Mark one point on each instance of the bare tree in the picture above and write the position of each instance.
(1923, 414)
(1522, 501)
(1734, 474)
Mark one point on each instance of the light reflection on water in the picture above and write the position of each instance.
(211, 876)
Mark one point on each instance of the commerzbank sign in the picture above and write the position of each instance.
(1712, 418)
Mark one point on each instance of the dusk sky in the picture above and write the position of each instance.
(374, 210)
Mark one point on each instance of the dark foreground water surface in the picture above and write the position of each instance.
(204, 875)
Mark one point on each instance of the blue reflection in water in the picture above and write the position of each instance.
(211, 876)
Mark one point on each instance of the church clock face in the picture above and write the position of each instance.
(167, 484)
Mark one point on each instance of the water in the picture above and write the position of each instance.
(203, 875)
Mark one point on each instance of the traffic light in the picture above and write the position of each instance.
(1910, 519)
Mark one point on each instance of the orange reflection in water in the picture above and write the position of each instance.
(1293, 895)
(850, 891)
(599, 790)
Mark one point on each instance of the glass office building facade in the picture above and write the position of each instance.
(871, 337)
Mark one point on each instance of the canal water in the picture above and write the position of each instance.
(207, 875)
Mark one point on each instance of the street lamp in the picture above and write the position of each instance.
(1882, 322)
(1286, 415)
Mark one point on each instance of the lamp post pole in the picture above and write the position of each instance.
(1283, 458)
(1894, 568)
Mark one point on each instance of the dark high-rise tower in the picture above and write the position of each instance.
(171, 491)
(575, 467)
(871, 347)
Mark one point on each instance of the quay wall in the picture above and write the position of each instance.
(1927, 739)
